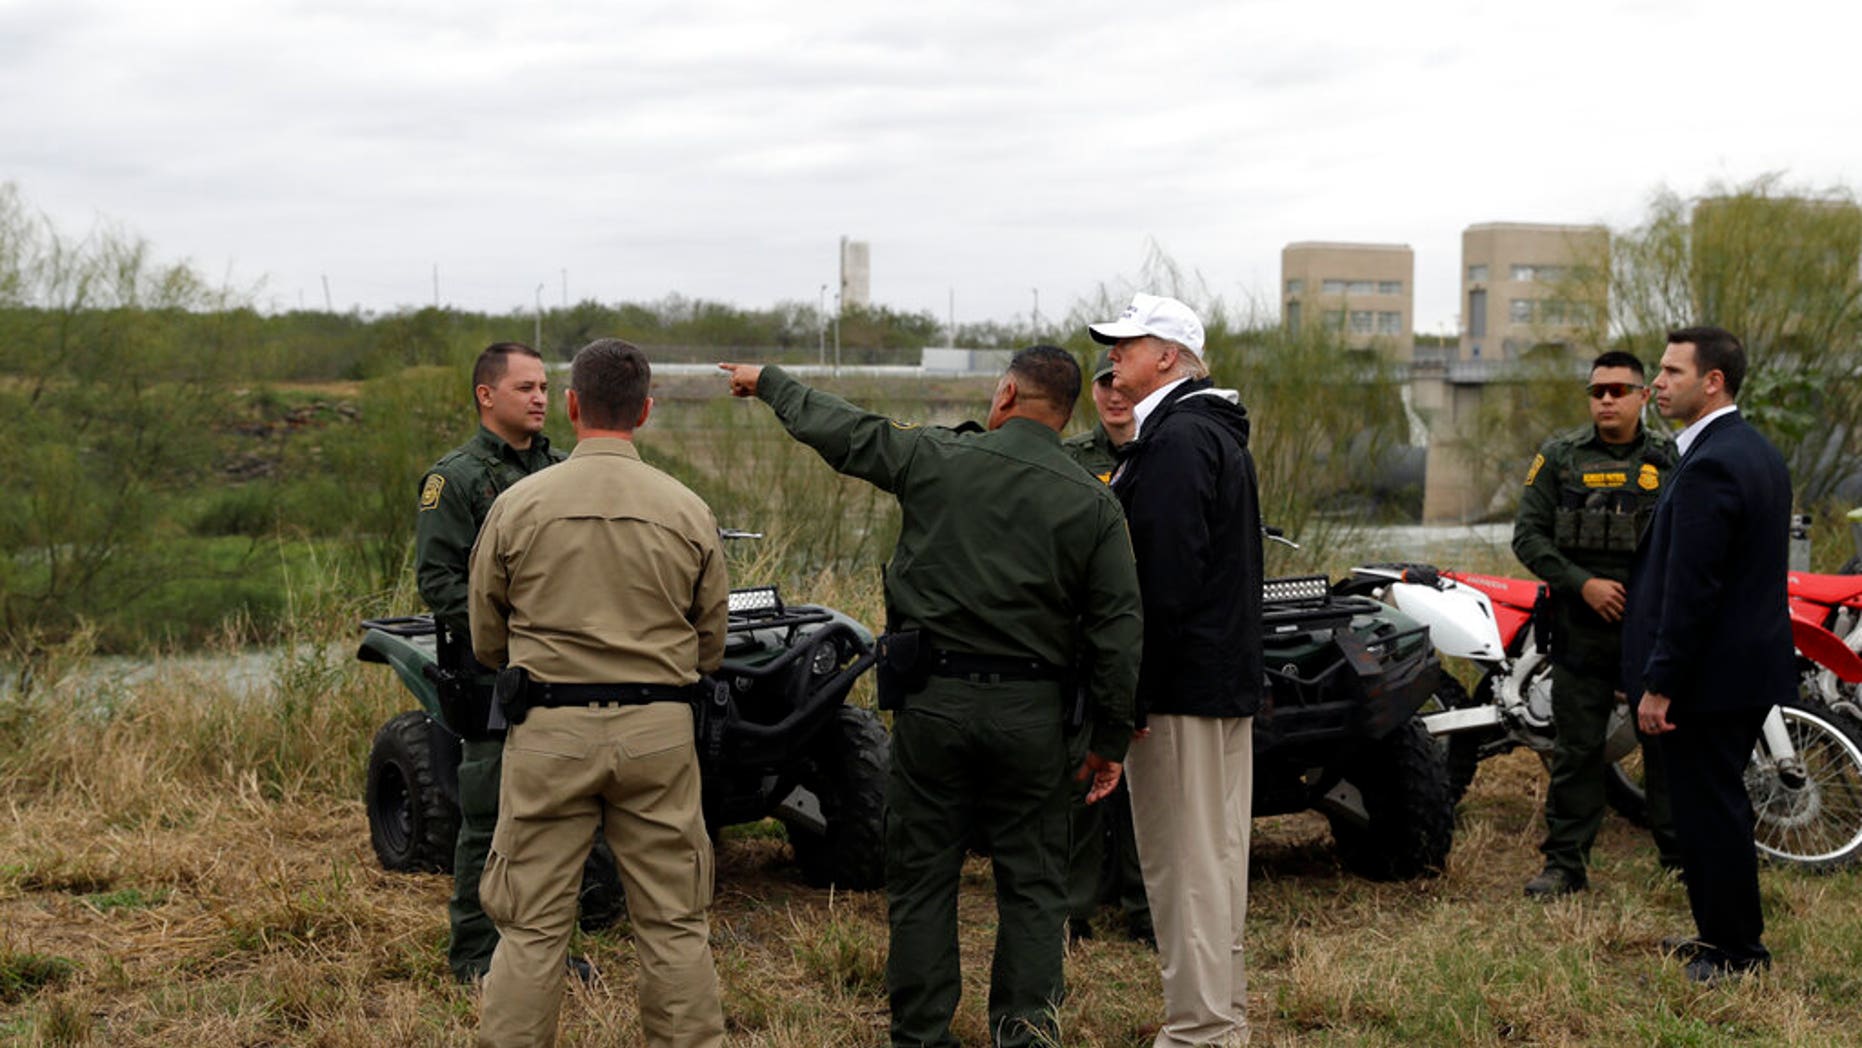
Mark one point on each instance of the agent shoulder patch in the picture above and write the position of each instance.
(1532, 473)
(430, 491)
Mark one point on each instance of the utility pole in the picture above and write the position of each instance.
(953, 318)
(837, 309)
(1034, 324)
(536, 342)
(436, 285)
(328, 306)
(821, 327)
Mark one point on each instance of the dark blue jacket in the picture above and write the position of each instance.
(1188, 487)
(1706, 623)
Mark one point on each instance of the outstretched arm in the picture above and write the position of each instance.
(854, 441)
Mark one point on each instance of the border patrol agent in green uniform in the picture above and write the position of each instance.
(511, 390)
(1588, 496)
(1103, 864)
(1012, 566)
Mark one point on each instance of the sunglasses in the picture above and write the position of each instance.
(1619, 390)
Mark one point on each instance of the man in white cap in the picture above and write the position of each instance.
(1188, 487)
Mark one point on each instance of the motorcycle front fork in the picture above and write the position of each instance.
(1776, 745)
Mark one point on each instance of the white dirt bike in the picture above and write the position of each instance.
(1805, 776)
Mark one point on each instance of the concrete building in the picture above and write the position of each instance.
(1526, 284)
(1366, 291)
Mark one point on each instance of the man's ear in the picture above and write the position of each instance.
(575, 409)
(481, 394)
(646, 408)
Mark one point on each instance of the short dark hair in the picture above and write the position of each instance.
(1048, 373)
(1715, 349)
(610, 379)
(495, 361)
(1617, 358)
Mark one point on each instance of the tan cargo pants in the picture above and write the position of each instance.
(561, 768)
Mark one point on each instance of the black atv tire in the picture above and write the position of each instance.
(848, 775)
(1403, 780)
(411, 823)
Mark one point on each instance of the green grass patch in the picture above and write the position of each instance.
(127, 899)
(24, 974)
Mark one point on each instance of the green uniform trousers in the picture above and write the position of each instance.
(474, 937)
(976, 760)
(1104, 864)
(1575, 800)
(565, 770)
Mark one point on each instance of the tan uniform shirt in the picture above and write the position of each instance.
(602, 570)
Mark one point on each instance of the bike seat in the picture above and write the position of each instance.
(1824, 589)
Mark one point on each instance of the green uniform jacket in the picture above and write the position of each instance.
(455, 495)
(1584, 506)
(1093, 449)
(1006, 547)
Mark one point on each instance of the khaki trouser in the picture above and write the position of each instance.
(561, 768)
(1192, 783)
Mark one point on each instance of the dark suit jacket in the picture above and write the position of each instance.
(1706, 623)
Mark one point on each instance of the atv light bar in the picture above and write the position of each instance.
(755, 598)
(1296, 588)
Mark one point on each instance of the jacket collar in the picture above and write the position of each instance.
(605, 446)
(1713, 422)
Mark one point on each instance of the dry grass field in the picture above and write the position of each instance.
(181, 864)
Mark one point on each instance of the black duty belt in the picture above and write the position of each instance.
(992, 669)
(556, 696)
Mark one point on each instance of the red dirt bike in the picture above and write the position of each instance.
(1826, 624)
(1805, 776)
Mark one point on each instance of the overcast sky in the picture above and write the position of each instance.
(988, 150)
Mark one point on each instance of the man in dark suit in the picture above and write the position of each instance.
(1707, 639)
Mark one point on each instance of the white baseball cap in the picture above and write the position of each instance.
(1154, 315)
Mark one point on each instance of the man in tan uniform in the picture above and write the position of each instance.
(603, 580)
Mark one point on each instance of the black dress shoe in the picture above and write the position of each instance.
(1709, 970)
(1079, 929)
(1552, 882)
(1682, 947)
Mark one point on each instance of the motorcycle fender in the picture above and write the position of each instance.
(1473, 718)
(1460, 619)
(412, 662)
(1826, 649)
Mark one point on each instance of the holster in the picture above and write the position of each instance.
(510, 695)
(903, 667)
(465, 701)
(711, 718)
(1076, 710)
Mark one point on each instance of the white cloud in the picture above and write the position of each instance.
(721, 148)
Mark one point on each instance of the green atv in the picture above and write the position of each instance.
(787, 745)
(1338, 733)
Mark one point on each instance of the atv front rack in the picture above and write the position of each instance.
(1298, 603)
(761, 608)
(1331, 678)
(751, 608)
